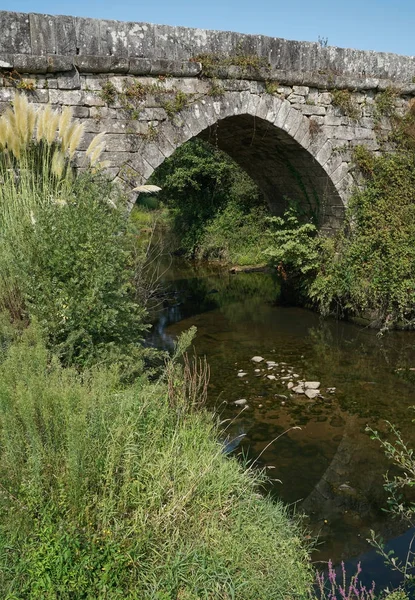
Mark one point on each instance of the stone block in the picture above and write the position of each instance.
(324, 153)
(91, 99)
(59, 63)
(65, 35)
(70, 81)
(301, 90)
(15, 33)
(139, 66)
(325, 98)
(6, 61)
(295, 99)
(101, 64)
(80, 112)
(113, 38)
(27, 63)
(88, 35)
(66, 97)
(308, 109)
(42, 34)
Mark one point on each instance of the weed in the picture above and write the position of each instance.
(177, 104)
(364, 160)
(385, 102)
(212, 63)
(271, 87)
(26, 85)
(151, 134)
(345, 101)
(216, 90)
(124, 491)
(314, 127)
(108, 92)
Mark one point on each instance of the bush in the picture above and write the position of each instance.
(126, 493)
(374, 270)
(65, 256)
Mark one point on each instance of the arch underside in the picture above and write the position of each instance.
(283, 170)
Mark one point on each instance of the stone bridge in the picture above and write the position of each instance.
(290, 113)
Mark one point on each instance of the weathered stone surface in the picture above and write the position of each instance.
(70, 81)
(15, 33)
(294, 142)
(26, 63)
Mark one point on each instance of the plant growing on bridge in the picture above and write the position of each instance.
(212, 63)
(345, 101)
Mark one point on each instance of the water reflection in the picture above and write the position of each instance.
(330, 468)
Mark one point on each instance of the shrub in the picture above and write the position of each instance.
(374, 271)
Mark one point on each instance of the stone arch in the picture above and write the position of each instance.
(279, 147)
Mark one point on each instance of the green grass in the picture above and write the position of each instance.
(111, 492)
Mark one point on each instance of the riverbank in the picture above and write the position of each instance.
(131, 486)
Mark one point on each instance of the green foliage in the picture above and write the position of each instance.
(76, 273)
(108, 92)
(399, 488)
(124, 492)
(385, 102)
(271, 86)
(374, 268)
(204, 189)
(216, 90)
(235, 235)
(364, 160)
(65, 256)
(294, 249)
(177, 104)
(345, 101)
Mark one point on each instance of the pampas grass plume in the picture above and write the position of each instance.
(51, 127)
(58, 164)
(76, 137)
(65, 121)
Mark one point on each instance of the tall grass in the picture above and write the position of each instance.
(111, 492)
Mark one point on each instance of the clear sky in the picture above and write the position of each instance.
(382, 25)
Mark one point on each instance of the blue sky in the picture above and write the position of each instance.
(382, 25)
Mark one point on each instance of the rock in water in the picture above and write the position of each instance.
(311, 394)
(299, 389)
(312, 385)
(257, 359)
(290, 385)
(271, 377)
(240, 402)
(242, 374)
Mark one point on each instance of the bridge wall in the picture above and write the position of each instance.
(289, 112)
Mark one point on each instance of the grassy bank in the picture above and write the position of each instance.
(124, 492)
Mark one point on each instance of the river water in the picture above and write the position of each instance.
(323, 462)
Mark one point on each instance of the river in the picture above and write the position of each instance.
(323, 463)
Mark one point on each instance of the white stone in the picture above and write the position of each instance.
(242, 374)
(257, 359)
(240, 402)
(298, 390)
(271, 377)
(311, 394)
(312, 385)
